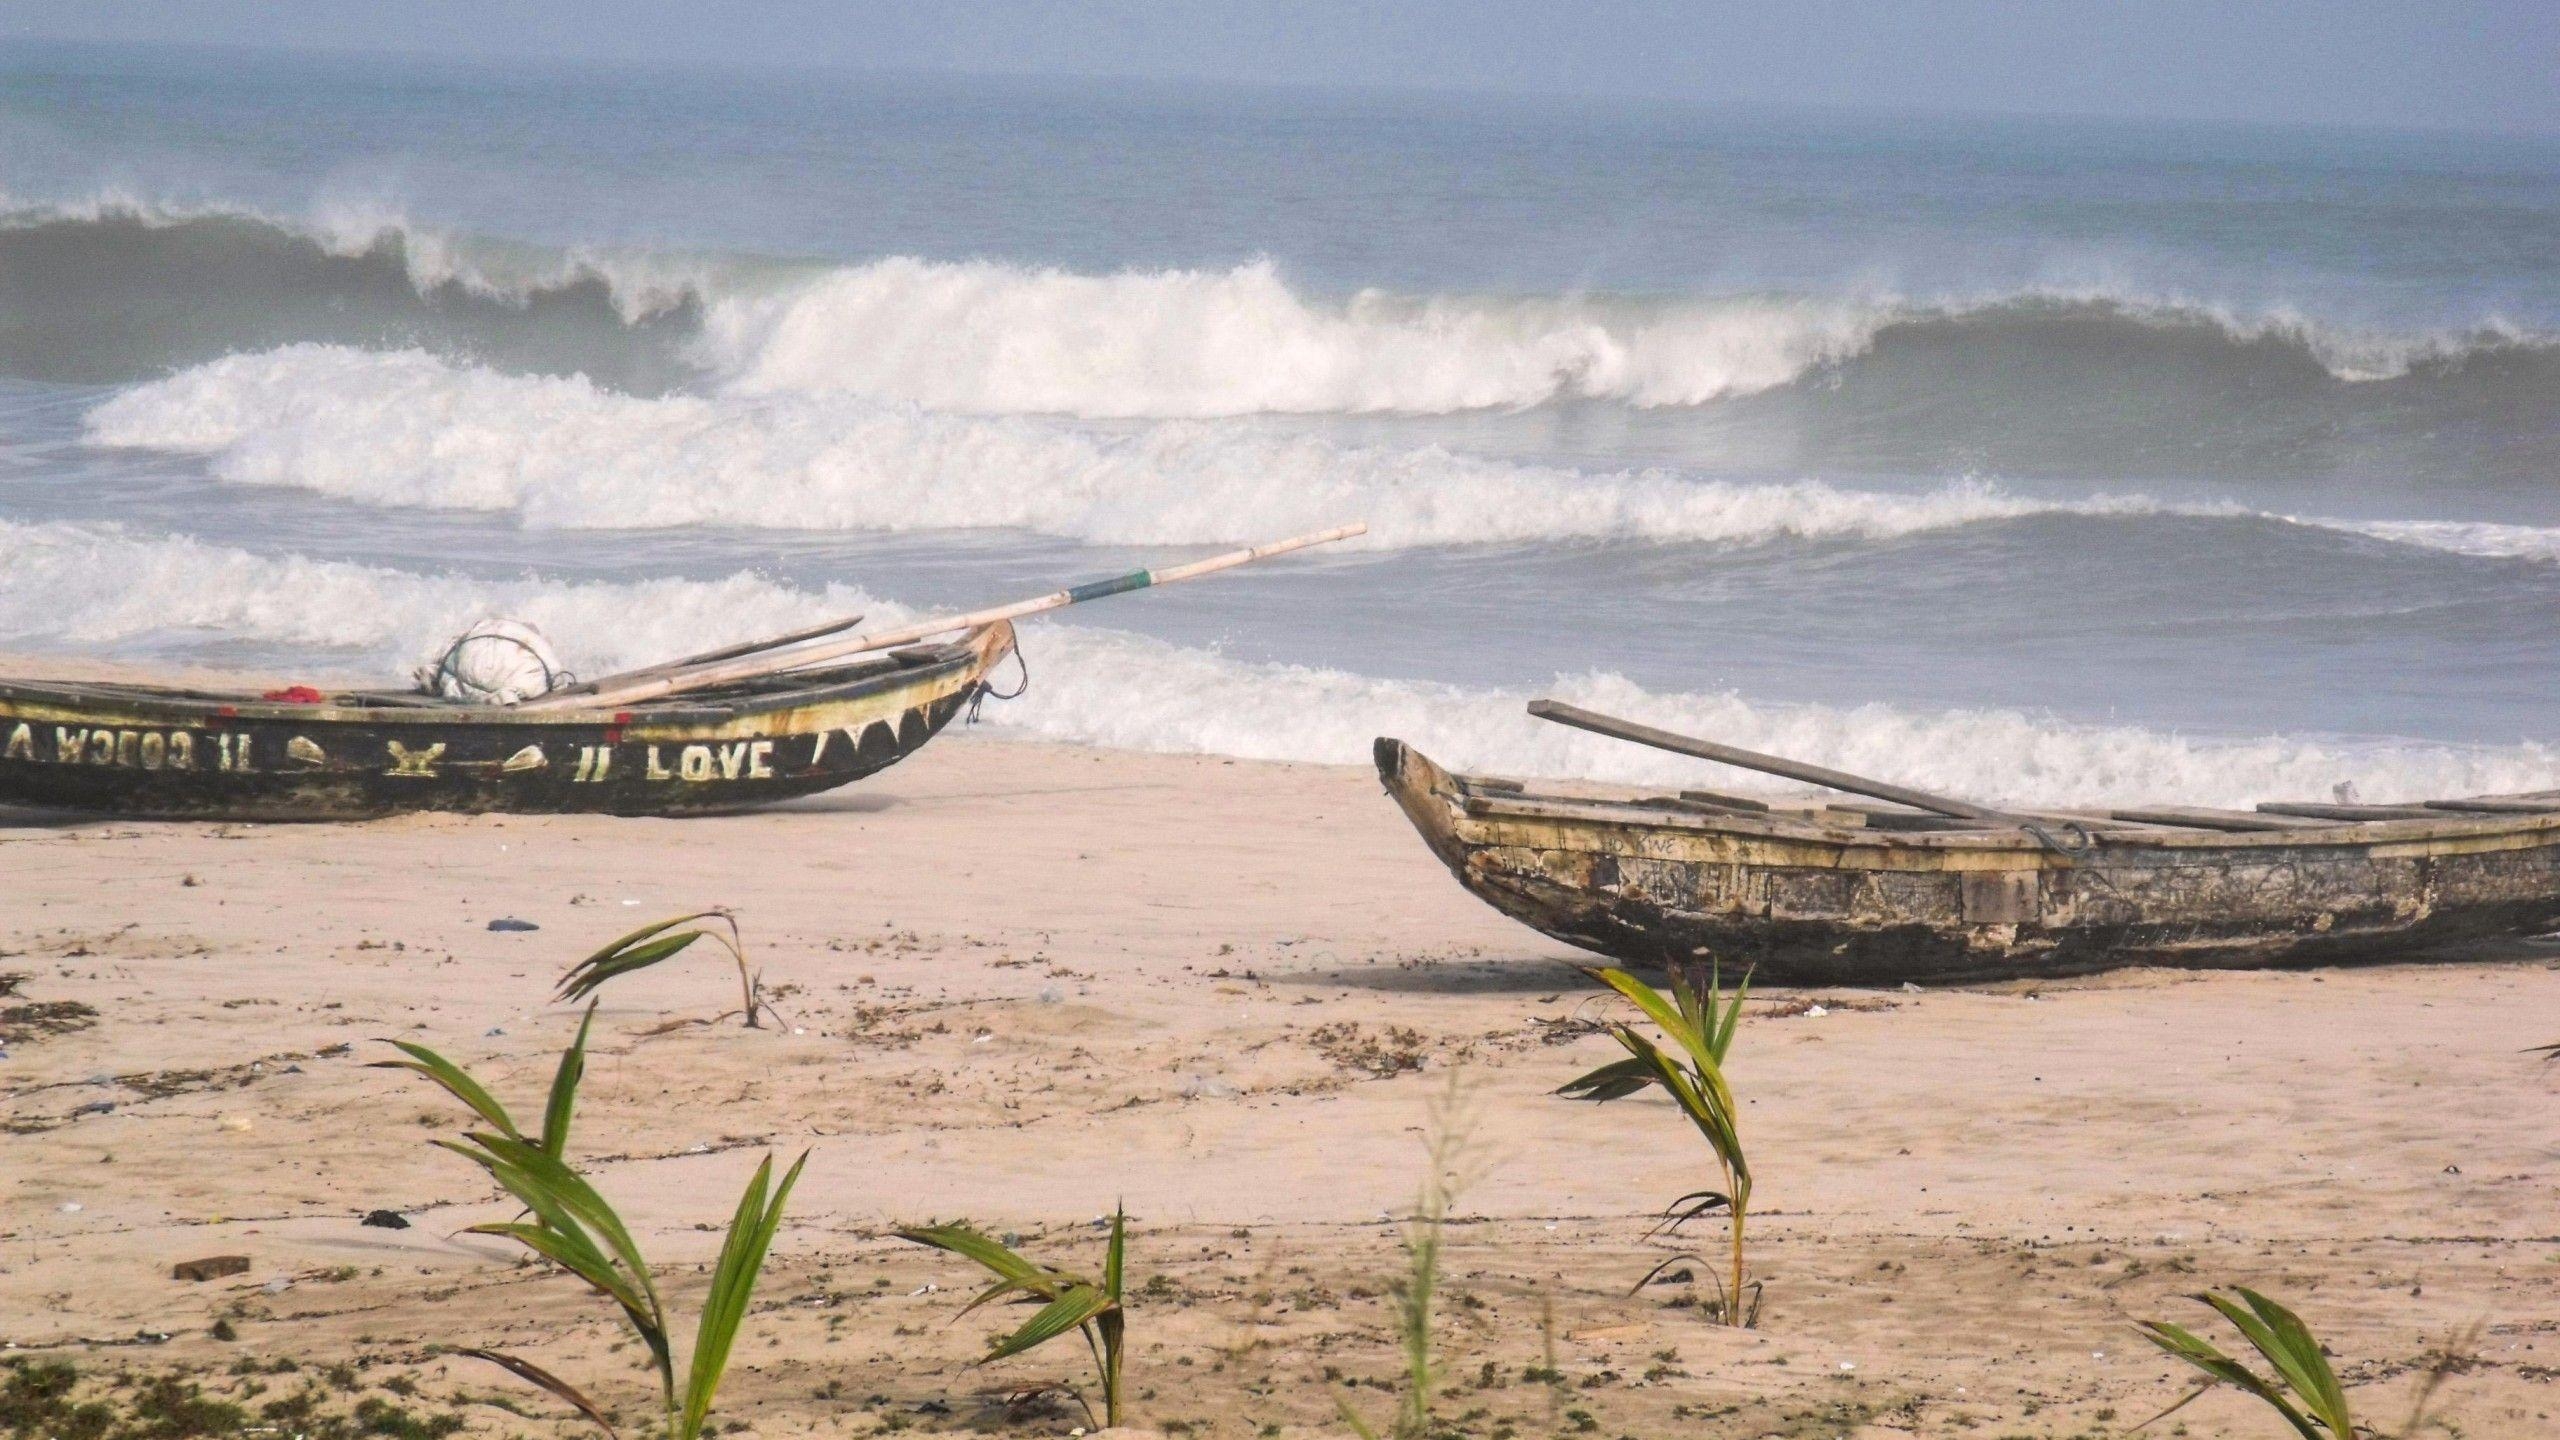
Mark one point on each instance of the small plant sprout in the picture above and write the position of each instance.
(1449, 1131)
(2304, 1391)
(650, 944)
(567, 1223)
(1067, 1301)
(1700, 1026)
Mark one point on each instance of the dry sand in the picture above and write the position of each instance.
(1027, 981)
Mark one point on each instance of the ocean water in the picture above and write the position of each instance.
(2057, 460)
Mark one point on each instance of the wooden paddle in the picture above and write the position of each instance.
(674, 680)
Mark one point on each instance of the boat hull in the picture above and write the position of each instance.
(1849, 909)
(133, 751)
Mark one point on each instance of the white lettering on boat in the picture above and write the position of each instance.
(110, 748)
(715, 764)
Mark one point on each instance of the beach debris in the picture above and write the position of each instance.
(277, 1286)
(23, 1024)
(94, 1107)
(385, 1220)
(211, 1267)
(509, 924)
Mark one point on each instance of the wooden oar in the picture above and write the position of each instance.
(1617, 729)
(725, 652)
(677, 680)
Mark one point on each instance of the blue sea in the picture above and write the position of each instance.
(2065, 460)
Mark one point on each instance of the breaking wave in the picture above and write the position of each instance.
(117, 290)
(2465, 537)
(187, 285)
(103, 588)
(408, 428)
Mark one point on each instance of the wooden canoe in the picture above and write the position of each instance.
(1869, 894)
(149, 751)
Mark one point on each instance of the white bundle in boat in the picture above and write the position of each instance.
(496, 662)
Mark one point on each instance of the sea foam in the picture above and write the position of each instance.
(108, 590)
(409, 428)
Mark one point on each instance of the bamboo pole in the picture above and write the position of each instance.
(725, 652)
(1617, 729)
(678, 679)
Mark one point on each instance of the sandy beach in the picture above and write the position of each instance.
(1024, 982)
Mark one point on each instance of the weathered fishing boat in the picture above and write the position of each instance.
(1864, 893)
(498, 728)
(151, 751)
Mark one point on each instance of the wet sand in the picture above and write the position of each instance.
(1025, 982)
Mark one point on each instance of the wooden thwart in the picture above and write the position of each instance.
(2499, 805)
(2317, 810)
(2204, 818)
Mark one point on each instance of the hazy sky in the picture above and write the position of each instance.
(2469, 64)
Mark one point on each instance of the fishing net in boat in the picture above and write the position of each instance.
(496, 662)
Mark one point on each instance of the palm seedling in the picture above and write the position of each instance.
(650, 944)
(1067, 1301)
(566, 1222)
(1699, 1025)
(2303, 1390)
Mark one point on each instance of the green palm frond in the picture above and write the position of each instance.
(1700, 1026)
(733, 1283)
(1073, 1302)
(2305, 1391)
(569, 1223)
(659, 941)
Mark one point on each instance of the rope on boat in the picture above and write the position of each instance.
(2087, 842)
(986, 690)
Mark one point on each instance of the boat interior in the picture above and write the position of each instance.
(1854, 819)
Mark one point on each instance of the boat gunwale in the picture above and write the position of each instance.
(2528, 827)
(981, 647)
